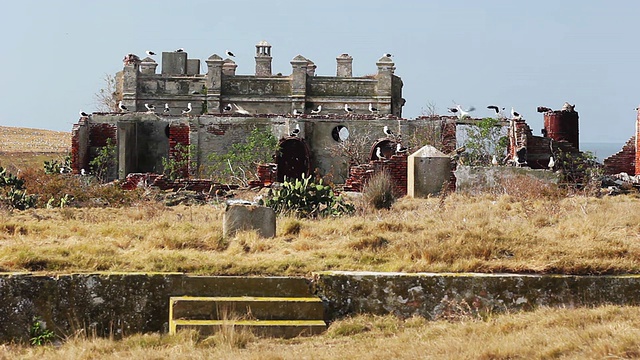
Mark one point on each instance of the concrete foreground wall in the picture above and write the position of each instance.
(109, 304)
(433, 295)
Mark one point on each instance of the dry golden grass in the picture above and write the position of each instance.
(577, 235)
(25, 140)
(607, 332)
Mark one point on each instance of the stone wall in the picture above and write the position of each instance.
(622, 161)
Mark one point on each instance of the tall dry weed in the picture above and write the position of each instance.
(379, 191)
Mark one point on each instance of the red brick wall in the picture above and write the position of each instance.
(179, 135)
(359, 175)
(623, 161)
(100, 133)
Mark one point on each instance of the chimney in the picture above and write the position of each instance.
(229, 67)
(263, 59)
(345, 66)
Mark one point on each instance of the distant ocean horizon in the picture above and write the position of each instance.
(601, 150)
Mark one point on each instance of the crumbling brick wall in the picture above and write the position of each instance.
(622, 161)
(178, 144)
(396, 166)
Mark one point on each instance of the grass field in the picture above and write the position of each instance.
(22, 148)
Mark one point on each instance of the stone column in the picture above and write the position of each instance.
(148, 66)
(214, 83)
(384, 86)
(344, 65)
(229, 67)
(130, 85)
(298, 82)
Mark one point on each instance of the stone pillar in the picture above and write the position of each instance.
(298, 82)
(229, 67)
(344, 65)
(130, 85)
(174, 63)
(193, 66)
(249, 217)
(311, 68)
(148, 66)
(214, 83)
(263, 59)
(384, 87)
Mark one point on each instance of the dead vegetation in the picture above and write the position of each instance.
(606, 332)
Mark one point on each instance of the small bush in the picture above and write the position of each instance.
(379, 192)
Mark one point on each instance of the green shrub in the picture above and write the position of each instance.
(13, 193)
(379, 191)
(306, 199)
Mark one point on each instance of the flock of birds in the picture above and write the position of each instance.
(499, 112)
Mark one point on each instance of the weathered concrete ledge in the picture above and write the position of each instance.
(116, 304)
(434, 294)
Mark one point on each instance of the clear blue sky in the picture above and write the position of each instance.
(512, 53)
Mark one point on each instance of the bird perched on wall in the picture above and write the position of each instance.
(387, 55)
(229, 53)
(552, 163)
(494, 161)
(499, 111)
(373, 110)
(515, 115)
(462, 113)
(296, 112)
(348, 109)
(543, 109)
(121, 106)
(188, 109)
(241, 110)
(400, 149)
(84, 114)
(227, 108)
(295, 131)
(150, 53)
(386, 131)
(180, 50)
(379, 154)
(452, 110)
(83, 172)
(317, 110)
(150, 108)
(568, 107)
(166, 108)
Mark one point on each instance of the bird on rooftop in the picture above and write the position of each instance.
(499, 111)
(295, 131)
(462, 113)
(317, 110)
(400, 149)
(515, 115)
(373, 110)
(150, 53)
(84, 114)
(188, 109)
(121, 106)
(379, 154)
(296, 112)
(387, 55)
(543, 109)
(386, 131)
(150, 108)
(227, 108)
(166, 108)
(180, 50)
(348, 109)
(452, 110)
(229, 53)
(568, 107)
(552, 163)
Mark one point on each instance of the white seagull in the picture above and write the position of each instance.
(180, 50)
(348, 109)
(227, 108)
(515, 115)
(400, 149)
(386, 131)
(166, 108)
(188, 109)
(387, 55)
(121, 106)
(229, 53)
(150, 53)
(150, 108)
(295, 131)
(241, 110)
(499, 111)
(317, 110)
(373, 110)
(83, 172)
(494, 161)
(296, 112)
(452, 110)
(552, 163)
(464, 113)
(84, 114)
(379, 154)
